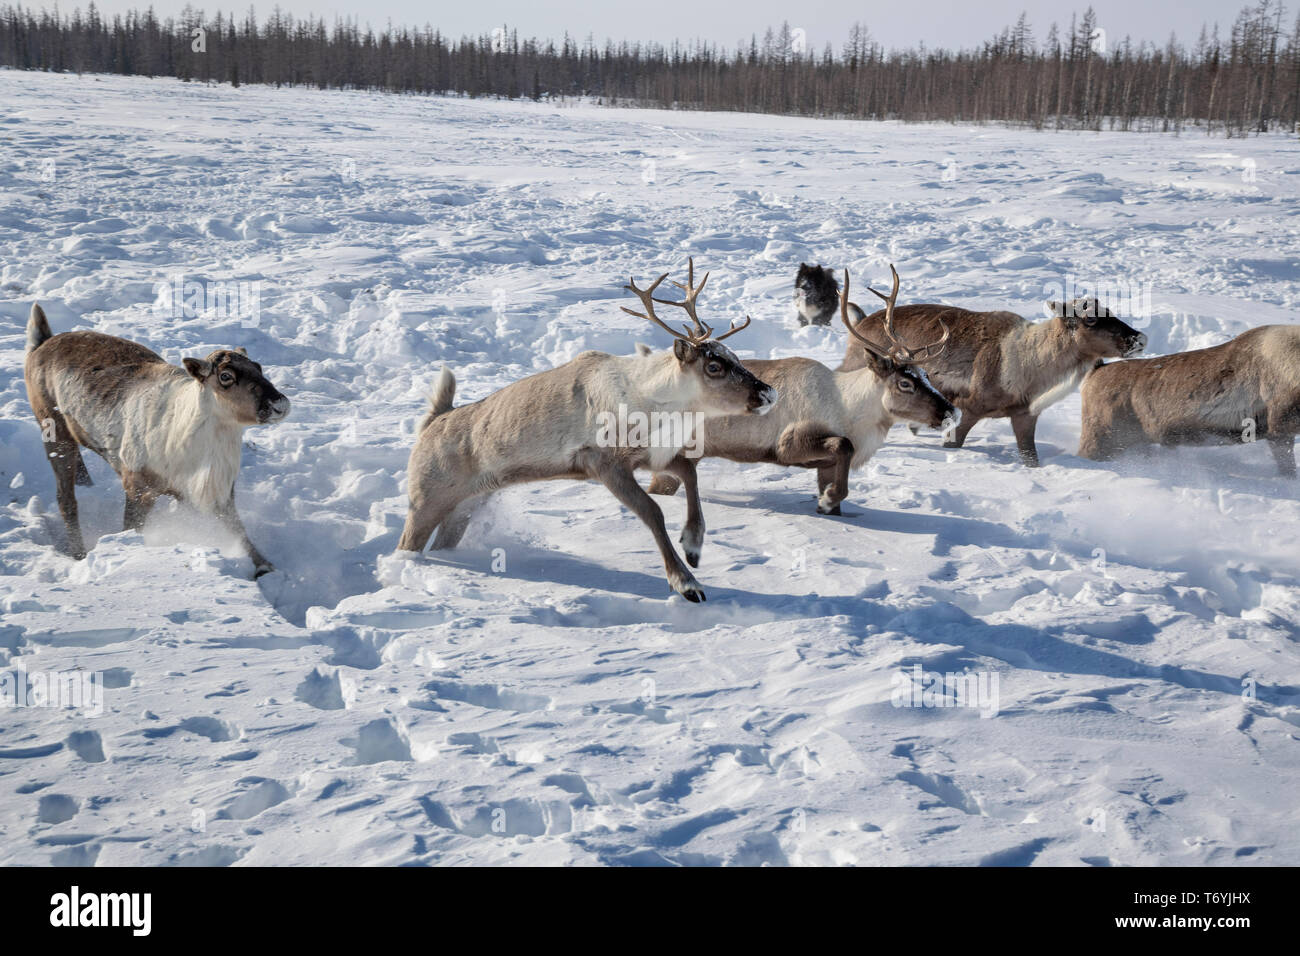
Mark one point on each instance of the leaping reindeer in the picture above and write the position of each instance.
(548, 426)
(831, 420)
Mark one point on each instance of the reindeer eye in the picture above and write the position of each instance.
(226, 378)
(906, 385)
(714, 368)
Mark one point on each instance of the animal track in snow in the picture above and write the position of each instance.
(321, 689)
(379, 741)
(57, 808)
(257, 795)
(214, 729)
(85, 637)
(491, 696)
(208, 856)
(87, 745)
(942, 788)
(507, 818)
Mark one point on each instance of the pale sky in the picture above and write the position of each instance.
(939, 23)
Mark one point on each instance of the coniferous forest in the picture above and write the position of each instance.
(1243, 79)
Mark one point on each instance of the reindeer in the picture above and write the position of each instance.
(1245, 389)
(833, 421)
(555, 425)
(1000, 365)
(165, 430)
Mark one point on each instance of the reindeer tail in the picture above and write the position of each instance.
(444, 391)
(38, 328)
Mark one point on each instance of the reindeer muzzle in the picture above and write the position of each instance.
(274, 411)
(762, 402)
(1136, 344)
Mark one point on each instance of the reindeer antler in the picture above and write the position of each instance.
(848, 324)
(702, 331)
(899, 353)
(647, 299)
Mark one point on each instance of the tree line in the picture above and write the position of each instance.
(1076, 77)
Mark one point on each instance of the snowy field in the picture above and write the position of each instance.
(536, 696)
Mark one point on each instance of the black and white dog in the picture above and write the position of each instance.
(817, 296)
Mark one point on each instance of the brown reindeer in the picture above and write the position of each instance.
(165, 430)
(999, 365)
(556, 425)
(833, 421)
(1245, 389)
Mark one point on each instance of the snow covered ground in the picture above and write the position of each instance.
(536, 696)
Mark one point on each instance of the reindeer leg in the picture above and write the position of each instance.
(63, 454)
(806, 445)
(1283, 449)
(65, 480)
(83, 475)
(140, 498)
(829, 501)
(968, 421)
(422, 522)
(693, 533)
(453, 526)
(825, 478)
(435, 495)
(230, 518)
(1023, 424)
(621, 482)
(662, 484)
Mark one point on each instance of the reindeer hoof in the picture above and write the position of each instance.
(691, 591)
(952, 444)
(833, 510)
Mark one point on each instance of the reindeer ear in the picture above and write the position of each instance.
(685, 351)
(1055, 309)
(242, 351)
(879, 364)
(199, 368)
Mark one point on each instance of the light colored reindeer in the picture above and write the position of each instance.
(165, 430)
(833, 421)
(554, 425)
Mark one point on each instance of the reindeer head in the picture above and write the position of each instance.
(722, 385)
(237, 384)
(1099, 333)
(908, 394)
